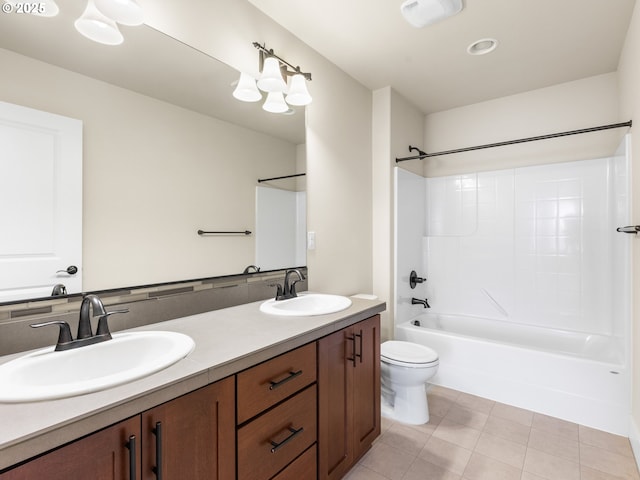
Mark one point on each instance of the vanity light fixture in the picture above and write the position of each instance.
(274, 70)
(100, 19)
(420, 13)
(96, 26)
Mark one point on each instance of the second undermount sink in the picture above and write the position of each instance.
(306, 304)
(46, 374)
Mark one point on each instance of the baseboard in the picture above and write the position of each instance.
(634, 439)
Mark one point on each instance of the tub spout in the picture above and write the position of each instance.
(418, 301)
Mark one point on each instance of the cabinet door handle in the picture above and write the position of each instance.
(353, 358)
(158, 433)
(291, 376)
(131, 446)
(359, 355)
(294, 434)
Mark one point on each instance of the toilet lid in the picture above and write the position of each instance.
(395, 351)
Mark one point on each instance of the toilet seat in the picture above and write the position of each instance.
(407, 354)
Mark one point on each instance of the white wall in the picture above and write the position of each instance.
(396, 124)
(583, 103)
(153, 174)
(339, 186)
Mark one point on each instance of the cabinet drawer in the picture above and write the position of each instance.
(266, 384)
(302, 467)
(269, 443)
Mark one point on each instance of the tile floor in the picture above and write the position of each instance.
(472, 438)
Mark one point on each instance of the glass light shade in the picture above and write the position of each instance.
(271, 78)
(275, 103)
(420, 13)
(246, 90)
(126, 12)
(95, 26)
(298, 94)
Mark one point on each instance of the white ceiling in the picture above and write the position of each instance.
(541, 43)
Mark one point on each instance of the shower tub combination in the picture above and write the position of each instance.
(570, 375)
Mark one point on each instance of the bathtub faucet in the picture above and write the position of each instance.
(417, 301)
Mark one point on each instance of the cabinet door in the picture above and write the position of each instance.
(101, 456)
(193, 436)
(348, 396)
(335, 453)
(366, 385)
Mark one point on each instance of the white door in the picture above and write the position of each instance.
(40, 202)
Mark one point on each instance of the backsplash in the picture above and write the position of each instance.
(147, 305)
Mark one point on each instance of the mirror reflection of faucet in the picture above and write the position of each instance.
(58, 289)
(91, 306)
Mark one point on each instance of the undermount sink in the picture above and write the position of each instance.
(306, 305)
(46, 374)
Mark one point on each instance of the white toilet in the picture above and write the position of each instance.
(405, 369)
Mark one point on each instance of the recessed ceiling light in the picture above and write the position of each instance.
(482, 46)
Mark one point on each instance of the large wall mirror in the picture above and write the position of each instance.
(166, 151)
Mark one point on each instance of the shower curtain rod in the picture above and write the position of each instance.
(260, 180)
(511, 142)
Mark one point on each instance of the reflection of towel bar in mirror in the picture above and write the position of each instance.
(260, 180)
(203, 232)
(630, 229)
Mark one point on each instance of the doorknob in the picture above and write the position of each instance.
(71, 270)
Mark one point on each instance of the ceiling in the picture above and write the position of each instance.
(540, 43)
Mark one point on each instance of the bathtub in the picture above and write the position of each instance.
(578, 377)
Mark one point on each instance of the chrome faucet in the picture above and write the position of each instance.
(289, 290)
(251, 267)
(90, 304)
(84, 325)
(417, 301)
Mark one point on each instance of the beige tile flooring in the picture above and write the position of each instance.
(472, 438)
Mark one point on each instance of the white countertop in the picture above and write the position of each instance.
(227, 341)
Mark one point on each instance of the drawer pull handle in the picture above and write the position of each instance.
(294, 434)
(291, 376)
(131, 446)
(352, 338)
(157, 469)
(359, 335)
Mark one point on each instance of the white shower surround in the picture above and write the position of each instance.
(528, 247)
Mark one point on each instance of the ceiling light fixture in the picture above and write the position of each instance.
(420, 13)
(482, 46)
(274, 70)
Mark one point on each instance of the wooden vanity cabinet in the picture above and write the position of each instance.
(197, 441)
(309, 413)
(277, 424)
(100, 456)
(348, 396)
(192, 436)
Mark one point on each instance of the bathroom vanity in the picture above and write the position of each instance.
(260, 397)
